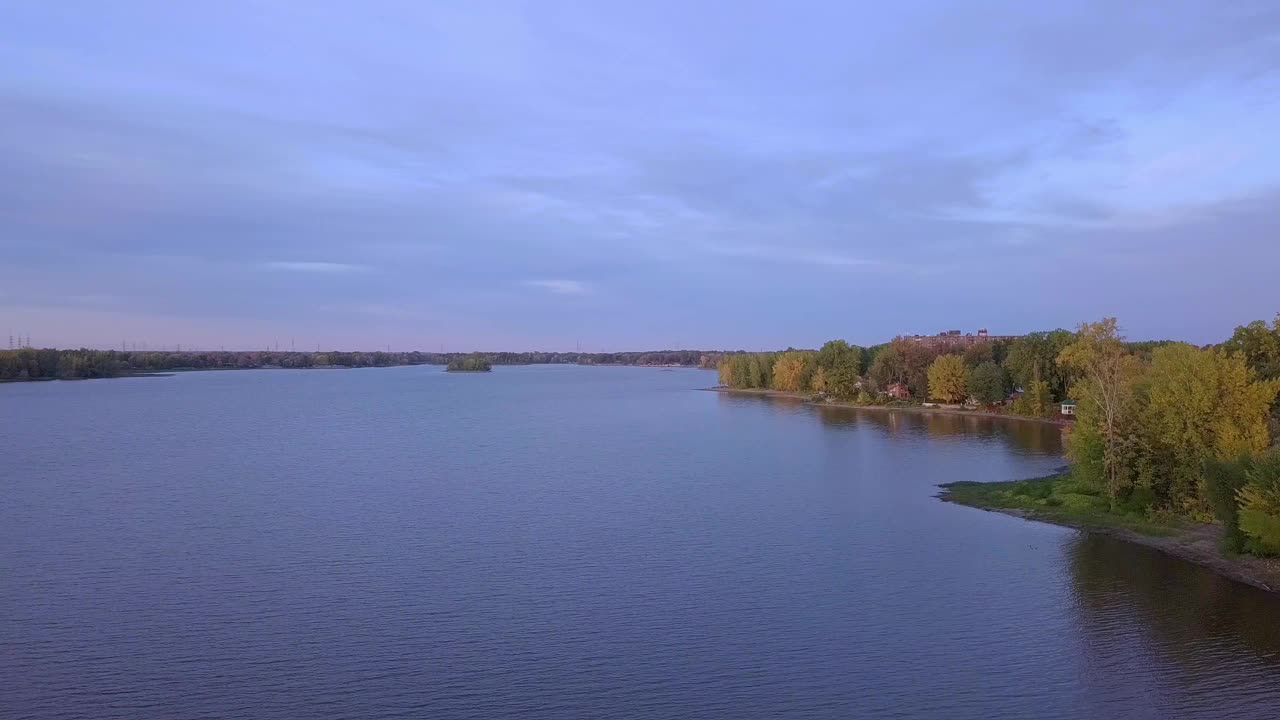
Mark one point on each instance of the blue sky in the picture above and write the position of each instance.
(634, 175)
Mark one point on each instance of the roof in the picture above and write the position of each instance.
(1068, 402)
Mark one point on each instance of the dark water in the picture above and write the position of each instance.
(561, 542)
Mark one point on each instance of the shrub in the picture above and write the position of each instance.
(1078, 501)
(1223, 481)
(1034, 489)
(1259, 501)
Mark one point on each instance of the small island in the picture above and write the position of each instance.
(474, 363)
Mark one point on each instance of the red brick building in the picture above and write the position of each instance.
(898, 391)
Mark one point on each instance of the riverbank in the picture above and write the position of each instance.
(904, 407)
(1057, 500)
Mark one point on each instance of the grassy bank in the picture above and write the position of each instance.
(1061, 500)
(1057, 499)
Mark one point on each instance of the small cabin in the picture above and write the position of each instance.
(1068, 407)
(898, 391)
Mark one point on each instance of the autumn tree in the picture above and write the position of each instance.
(947, 379)
(979, 353)
(790, 370)
(904, 361)
(818, 383)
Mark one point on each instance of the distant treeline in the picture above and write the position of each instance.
(49, 364)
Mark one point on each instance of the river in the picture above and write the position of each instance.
(570, 542)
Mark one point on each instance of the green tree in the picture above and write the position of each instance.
(1034, 357)
(757, 374)
(986, 383)
(888, 367)
(1260, 346)
(1036, 400)
(1105, 393)
(1223, 481)
(947, 379)
(842, 364)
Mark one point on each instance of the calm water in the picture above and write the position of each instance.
(562, 542)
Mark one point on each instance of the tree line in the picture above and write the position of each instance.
(984, 371)
(51, 364)
(1164, 428)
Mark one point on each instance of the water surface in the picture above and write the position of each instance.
(565, 542)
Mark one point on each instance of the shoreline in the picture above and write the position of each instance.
(889, 408)
(1197, 543)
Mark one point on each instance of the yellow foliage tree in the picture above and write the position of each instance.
(819, 382)
(789, 372)
(1201, 403)
(947, 376)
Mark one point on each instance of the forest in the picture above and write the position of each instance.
(1161, 429)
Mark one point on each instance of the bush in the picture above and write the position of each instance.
(1034, 489)
(1259, 505)
(1223, 481)
(1079, 501)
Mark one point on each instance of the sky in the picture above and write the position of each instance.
(623, 175)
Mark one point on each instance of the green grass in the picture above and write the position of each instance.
(1054, 498)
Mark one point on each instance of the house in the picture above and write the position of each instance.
(898, 391)
(1068, 407)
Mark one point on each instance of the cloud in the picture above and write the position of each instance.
(676, 166)
(324, 268)
(829, 259)
(561, 287)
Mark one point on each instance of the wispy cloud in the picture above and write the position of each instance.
(561, 287)
(823, 258)
(327, 268)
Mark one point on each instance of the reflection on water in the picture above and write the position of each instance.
(1176, 626)
(1182, 607)
(1021, 434)
(1024, 435)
